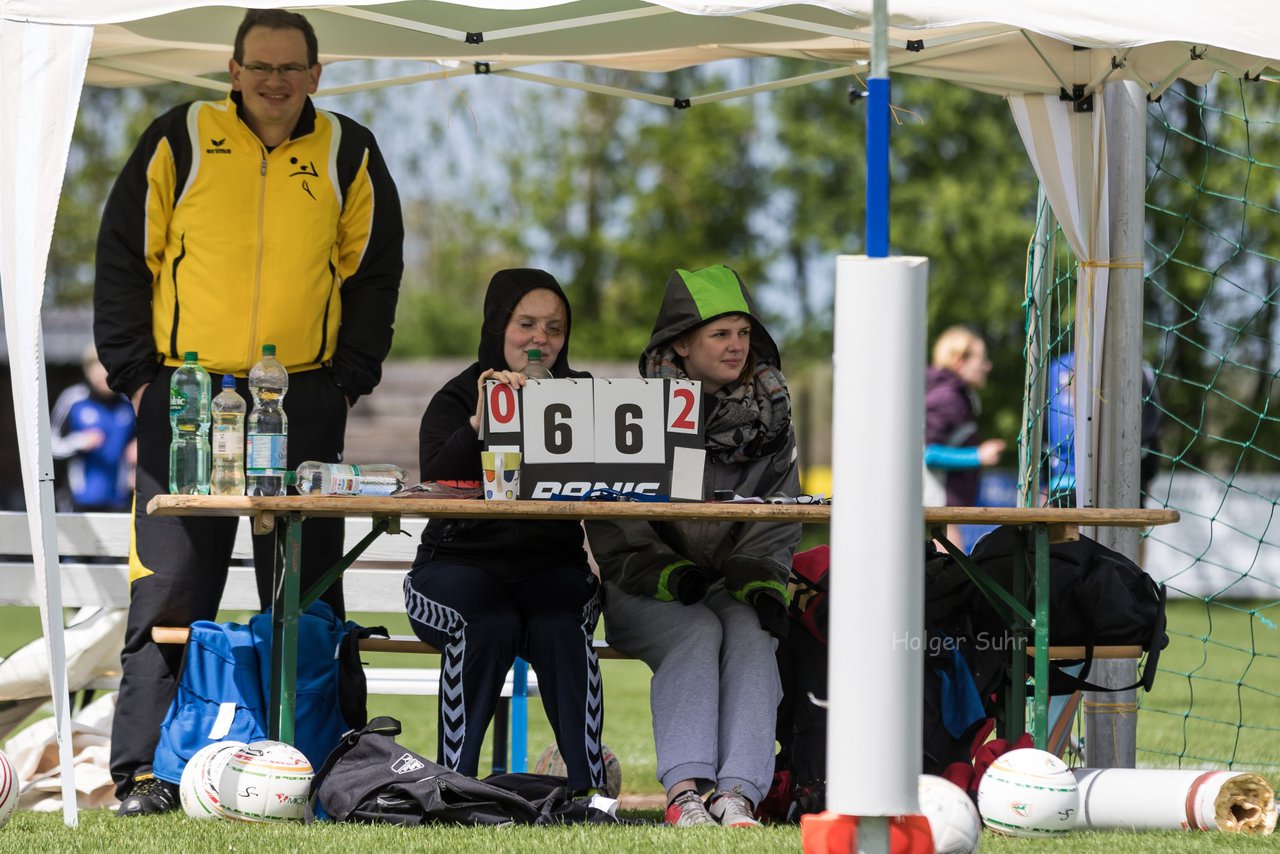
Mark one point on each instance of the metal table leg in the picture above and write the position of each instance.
(1015, 722)
(1040, 726)
(284, 626)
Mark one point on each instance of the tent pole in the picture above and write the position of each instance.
(878, 135)
(1111, 719)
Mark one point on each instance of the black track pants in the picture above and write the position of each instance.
(481, 623)
(178, 565)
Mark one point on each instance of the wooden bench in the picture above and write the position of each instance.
(94, 551)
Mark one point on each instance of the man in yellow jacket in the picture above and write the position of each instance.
(258, 219)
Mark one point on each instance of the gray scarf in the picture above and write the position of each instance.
(748, 417)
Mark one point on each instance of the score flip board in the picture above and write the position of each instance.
(632, 435)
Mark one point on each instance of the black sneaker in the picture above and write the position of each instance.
(149, 796)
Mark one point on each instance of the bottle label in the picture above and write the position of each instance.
(227, 442)
(341, 484)
(377, 485)
(177, 401)
(265, 454)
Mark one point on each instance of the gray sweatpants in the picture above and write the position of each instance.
(715, 688)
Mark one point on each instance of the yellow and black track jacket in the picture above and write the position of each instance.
(210, 242)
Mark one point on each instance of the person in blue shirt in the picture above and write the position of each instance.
(1060, 431)
(93, 430)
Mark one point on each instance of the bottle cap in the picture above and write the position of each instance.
(535, 354)
(228, 381)
(291, 478)
(191, 356)
(268, 349)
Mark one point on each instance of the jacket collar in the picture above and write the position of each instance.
(306, 122)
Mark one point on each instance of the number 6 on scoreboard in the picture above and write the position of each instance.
(684, 406)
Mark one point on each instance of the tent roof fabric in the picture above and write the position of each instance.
(993, 45)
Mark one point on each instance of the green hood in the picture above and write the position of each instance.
(694, 298)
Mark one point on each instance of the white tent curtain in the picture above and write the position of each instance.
(42, 70)
(1069, 152)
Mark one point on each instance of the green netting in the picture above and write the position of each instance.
(1212, 344)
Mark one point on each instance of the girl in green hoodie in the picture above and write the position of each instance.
(702, 602)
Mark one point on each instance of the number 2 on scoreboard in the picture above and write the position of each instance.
(683, 406)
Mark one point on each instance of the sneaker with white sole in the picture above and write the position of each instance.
(687, 810)
(732, 809)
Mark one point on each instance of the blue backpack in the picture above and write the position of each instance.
(224, 687)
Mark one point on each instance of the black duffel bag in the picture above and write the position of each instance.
(371, 778)
(1097, 597)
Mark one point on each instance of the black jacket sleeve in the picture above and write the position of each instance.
(369, 295)
(448, 449)
(123, 277)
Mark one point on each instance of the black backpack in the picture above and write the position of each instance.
(961, 672)
(371, 778)
(1097, 597)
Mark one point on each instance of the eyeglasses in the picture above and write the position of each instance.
(289, 69)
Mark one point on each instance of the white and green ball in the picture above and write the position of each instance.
(551, 763)
(8, 789)
(266, 781)
(1029, 793)
(198, 790)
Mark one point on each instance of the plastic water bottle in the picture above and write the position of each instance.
(265, 457)
(189, 423)
(534, 369)
(339, 479)
(228, 440)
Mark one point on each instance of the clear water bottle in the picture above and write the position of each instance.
(268, 426)
(189, 423)
(534, 369)
(339, 479)
(228, 440)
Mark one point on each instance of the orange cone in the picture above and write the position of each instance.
(834, 833)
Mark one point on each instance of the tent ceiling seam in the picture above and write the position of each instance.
(1116, 64)
(398, 23)
(785, 83)
(672, 100)
(575, 23)
(1045, 60)
(823, 29)
(403, 80)
(159, 75)
(583, 86)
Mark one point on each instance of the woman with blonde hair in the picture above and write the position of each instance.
(953, 455)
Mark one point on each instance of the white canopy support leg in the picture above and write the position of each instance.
(874, 749)
(1111, 719)
(41, 73)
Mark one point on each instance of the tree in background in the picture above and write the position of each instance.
(962, 193)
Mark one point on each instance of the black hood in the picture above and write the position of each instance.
(506, 289)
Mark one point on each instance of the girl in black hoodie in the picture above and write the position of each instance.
(485, 591)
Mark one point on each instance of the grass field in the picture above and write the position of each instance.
(1214, 674)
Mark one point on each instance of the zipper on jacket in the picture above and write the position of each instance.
(257, 267)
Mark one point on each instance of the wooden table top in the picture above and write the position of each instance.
(349, 505)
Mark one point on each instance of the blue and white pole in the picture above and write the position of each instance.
(875, 676)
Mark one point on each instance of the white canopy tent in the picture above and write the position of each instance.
(1030, 51)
